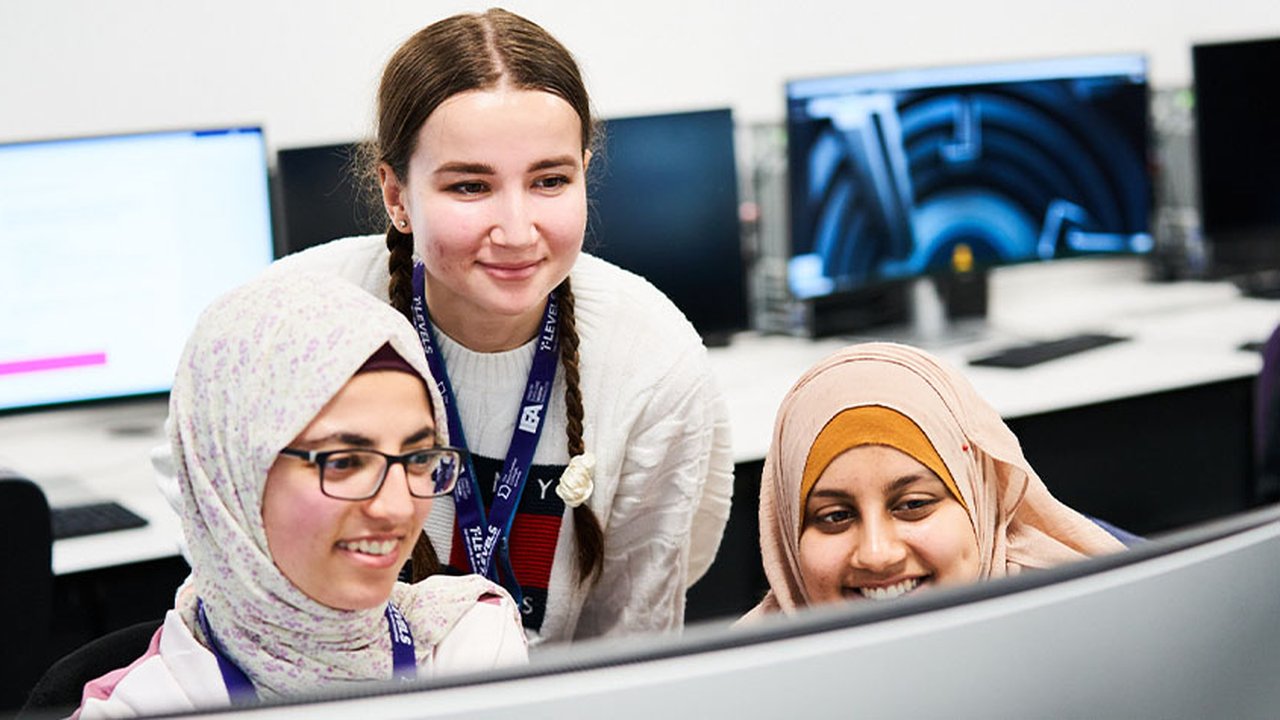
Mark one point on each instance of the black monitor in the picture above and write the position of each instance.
(896, 175)
(110, 247)
(322, 197)
(1237, 113)
(663, 195)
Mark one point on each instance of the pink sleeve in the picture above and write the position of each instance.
(102, 687)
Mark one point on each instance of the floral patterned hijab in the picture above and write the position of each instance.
(262, 362)
(1018, 523)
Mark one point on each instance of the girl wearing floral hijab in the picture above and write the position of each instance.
(305, 439)
(887, 474)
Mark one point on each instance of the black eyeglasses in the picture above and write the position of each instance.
(359, 474)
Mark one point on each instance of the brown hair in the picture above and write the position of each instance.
(472, 52)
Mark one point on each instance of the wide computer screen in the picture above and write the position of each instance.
(321, 197)
(663, 196)
(109, 249)
(898, 174)
(1238, 146)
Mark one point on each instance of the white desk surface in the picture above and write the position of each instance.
(1183, 335)
(96, 453)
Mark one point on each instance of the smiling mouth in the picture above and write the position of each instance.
(511, 270)
(376, 548)
(886, 592)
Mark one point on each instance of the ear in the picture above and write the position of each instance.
(586, 160)
(394, 195)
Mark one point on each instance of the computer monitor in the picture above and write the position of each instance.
(1182, 626)
(110, 247)
(663, 199)
(1238, 151)
(321, 196)
(899, 174)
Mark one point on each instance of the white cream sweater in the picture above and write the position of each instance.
(654, 419)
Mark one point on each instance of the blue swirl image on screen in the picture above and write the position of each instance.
(901, 182)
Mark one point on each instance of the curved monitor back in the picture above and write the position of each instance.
(1184, 626)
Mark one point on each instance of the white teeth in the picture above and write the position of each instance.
(889, 592)
(370, 547)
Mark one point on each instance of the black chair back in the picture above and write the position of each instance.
(58, 692)
(1266, 423)
(26, 604)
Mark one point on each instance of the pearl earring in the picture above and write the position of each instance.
(402, 223)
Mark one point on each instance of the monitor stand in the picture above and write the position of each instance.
(928, 311)
(937, 317)
(940, 311)
(1249, 258)
(936, 321)
(718, 338)
(1264, 284)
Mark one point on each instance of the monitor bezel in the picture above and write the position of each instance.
(717, 332)
(1038, 68)
(143, 397)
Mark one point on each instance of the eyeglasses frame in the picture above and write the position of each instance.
(320, 457)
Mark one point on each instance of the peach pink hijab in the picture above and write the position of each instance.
(1017, 522)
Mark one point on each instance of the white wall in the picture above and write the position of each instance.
(306, 69)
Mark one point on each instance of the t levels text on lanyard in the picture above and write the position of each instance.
(404, 665)
(485, 535)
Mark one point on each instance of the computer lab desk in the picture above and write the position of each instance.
(1151, 433)
(96, 452)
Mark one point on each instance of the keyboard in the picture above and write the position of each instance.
(92, 518)
(1022, 356)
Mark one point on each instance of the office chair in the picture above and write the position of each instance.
(59, 691)
(26, 555)
(1266, 423)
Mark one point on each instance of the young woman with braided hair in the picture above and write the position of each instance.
(483, 138)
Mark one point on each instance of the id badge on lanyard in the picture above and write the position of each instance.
(240, 689)
(485, 535)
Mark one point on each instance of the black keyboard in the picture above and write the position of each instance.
(1045, 350)
(90, 519)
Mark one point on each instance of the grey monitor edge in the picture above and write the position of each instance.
(1182, 626)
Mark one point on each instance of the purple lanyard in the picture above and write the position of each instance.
(486, 537)
(240, 688)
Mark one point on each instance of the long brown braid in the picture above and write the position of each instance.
(587, 532)
(423, 561)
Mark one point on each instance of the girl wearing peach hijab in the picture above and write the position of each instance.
(887, 474)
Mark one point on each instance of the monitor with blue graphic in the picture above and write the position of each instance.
(895, 175)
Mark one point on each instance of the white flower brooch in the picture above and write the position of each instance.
(576, 483)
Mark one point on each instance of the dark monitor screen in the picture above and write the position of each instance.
(1237, 112)
(898, 174)
(663, 196)
(110, 247)
(321, 197)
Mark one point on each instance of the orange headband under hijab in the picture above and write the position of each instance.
(871, 425)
